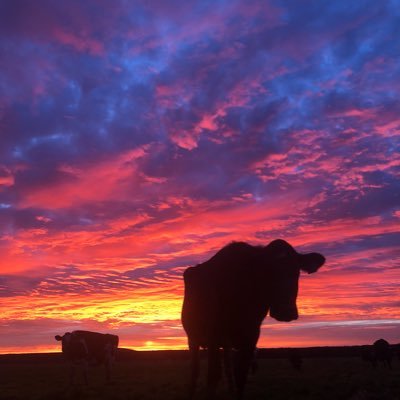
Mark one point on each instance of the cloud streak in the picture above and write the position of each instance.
(138, 139)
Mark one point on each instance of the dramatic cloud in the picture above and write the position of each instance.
(137, 139)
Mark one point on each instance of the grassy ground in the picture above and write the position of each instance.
(321, 379)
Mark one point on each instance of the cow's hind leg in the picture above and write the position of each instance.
(228, 368)
(194, 368)
(85, 371)
(214, 371)
(109, 361)
(108, 365)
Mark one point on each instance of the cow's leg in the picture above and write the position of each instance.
(109, 361)
(214, 371)
(254, 363)
(107, 366)
(85, 371)
(228, 367)
(72, 374)
(242, 362)
(194, 368)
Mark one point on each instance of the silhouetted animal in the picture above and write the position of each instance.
(227, 297)
(367, 354)
(88, 348)
(382, 352)
(254, 363)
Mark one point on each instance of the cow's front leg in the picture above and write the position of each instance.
(242, 362)
(214, 371)
(72, 373)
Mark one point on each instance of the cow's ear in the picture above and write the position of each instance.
(278, 250)
(311, 262)
(58, 337)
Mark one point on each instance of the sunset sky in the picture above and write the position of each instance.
(139, 137)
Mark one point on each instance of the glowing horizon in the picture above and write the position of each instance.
(137, 140)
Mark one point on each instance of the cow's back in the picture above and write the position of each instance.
(216, 304)
(98, 344)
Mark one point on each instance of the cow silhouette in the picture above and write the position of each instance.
(83, 348)
(227, 298)
(381, 352)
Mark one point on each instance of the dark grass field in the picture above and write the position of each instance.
(164, 377)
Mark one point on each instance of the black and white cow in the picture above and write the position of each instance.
(88, 348)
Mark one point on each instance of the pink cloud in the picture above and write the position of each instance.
(79, 43)
(6, 177)
(114, 177)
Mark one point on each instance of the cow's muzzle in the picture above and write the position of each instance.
(284, 314)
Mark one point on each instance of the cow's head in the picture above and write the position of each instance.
(65, 340)
(285, 265)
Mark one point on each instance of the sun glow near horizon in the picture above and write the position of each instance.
(129, 153)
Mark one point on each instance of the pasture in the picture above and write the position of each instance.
(159, 376)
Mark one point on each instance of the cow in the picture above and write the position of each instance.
(88, 348)
(367, 355)
(227, 298)
(381, 352)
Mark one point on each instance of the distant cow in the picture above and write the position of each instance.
(227, 297)
(367, 355)
(382, 352)
(88, 348)
(379, 351)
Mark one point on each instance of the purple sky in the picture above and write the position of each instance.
(137, 138)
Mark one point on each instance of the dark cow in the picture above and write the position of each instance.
(227, 298)
(367, 355)
(88, 348)
(381, 352)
